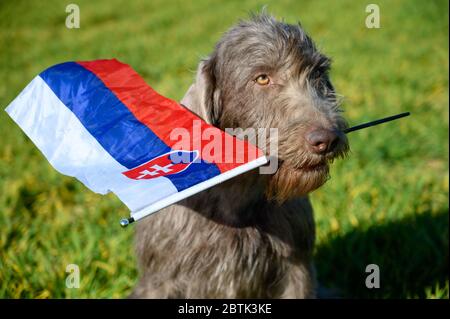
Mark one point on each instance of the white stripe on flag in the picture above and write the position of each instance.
(73, 151)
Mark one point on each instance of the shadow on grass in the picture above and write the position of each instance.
(412, 255)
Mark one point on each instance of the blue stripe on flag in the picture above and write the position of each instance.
(112, 124)
(194, 174)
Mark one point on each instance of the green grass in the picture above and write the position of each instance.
(387, 203)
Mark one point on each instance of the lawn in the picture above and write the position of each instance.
(386, 204)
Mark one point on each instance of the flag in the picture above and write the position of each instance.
(99, 122)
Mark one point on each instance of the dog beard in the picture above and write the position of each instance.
(289, 182)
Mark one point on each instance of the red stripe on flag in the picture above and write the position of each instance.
(162, 115)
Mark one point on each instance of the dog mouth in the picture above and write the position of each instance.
(318, 163)
(306, 164)
(321, 166)
(314, 167)
(311, 164)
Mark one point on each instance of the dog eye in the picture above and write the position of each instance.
(262, 79)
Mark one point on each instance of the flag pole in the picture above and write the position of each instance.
(124, 222)
(376, 122)
(135, 216)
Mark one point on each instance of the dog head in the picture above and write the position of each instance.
(268, 74)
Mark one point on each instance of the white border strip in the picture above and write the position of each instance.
(169, 200)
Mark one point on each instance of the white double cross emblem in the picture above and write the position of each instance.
(156, 170)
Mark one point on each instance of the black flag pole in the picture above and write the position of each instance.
(376, 122)
(124, 222)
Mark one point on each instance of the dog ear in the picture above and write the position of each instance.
(203, 97)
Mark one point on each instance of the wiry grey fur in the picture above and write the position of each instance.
(252, 236)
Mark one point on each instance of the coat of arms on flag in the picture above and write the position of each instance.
(162, 165)
(99, 122)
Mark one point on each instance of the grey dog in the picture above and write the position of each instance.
(252, 236)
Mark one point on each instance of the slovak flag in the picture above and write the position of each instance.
(100, 122)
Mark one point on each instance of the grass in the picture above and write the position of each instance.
(386, 204)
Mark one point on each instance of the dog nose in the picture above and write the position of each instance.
(322, 141)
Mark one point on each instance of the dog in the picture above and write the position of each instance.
(252, 236)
